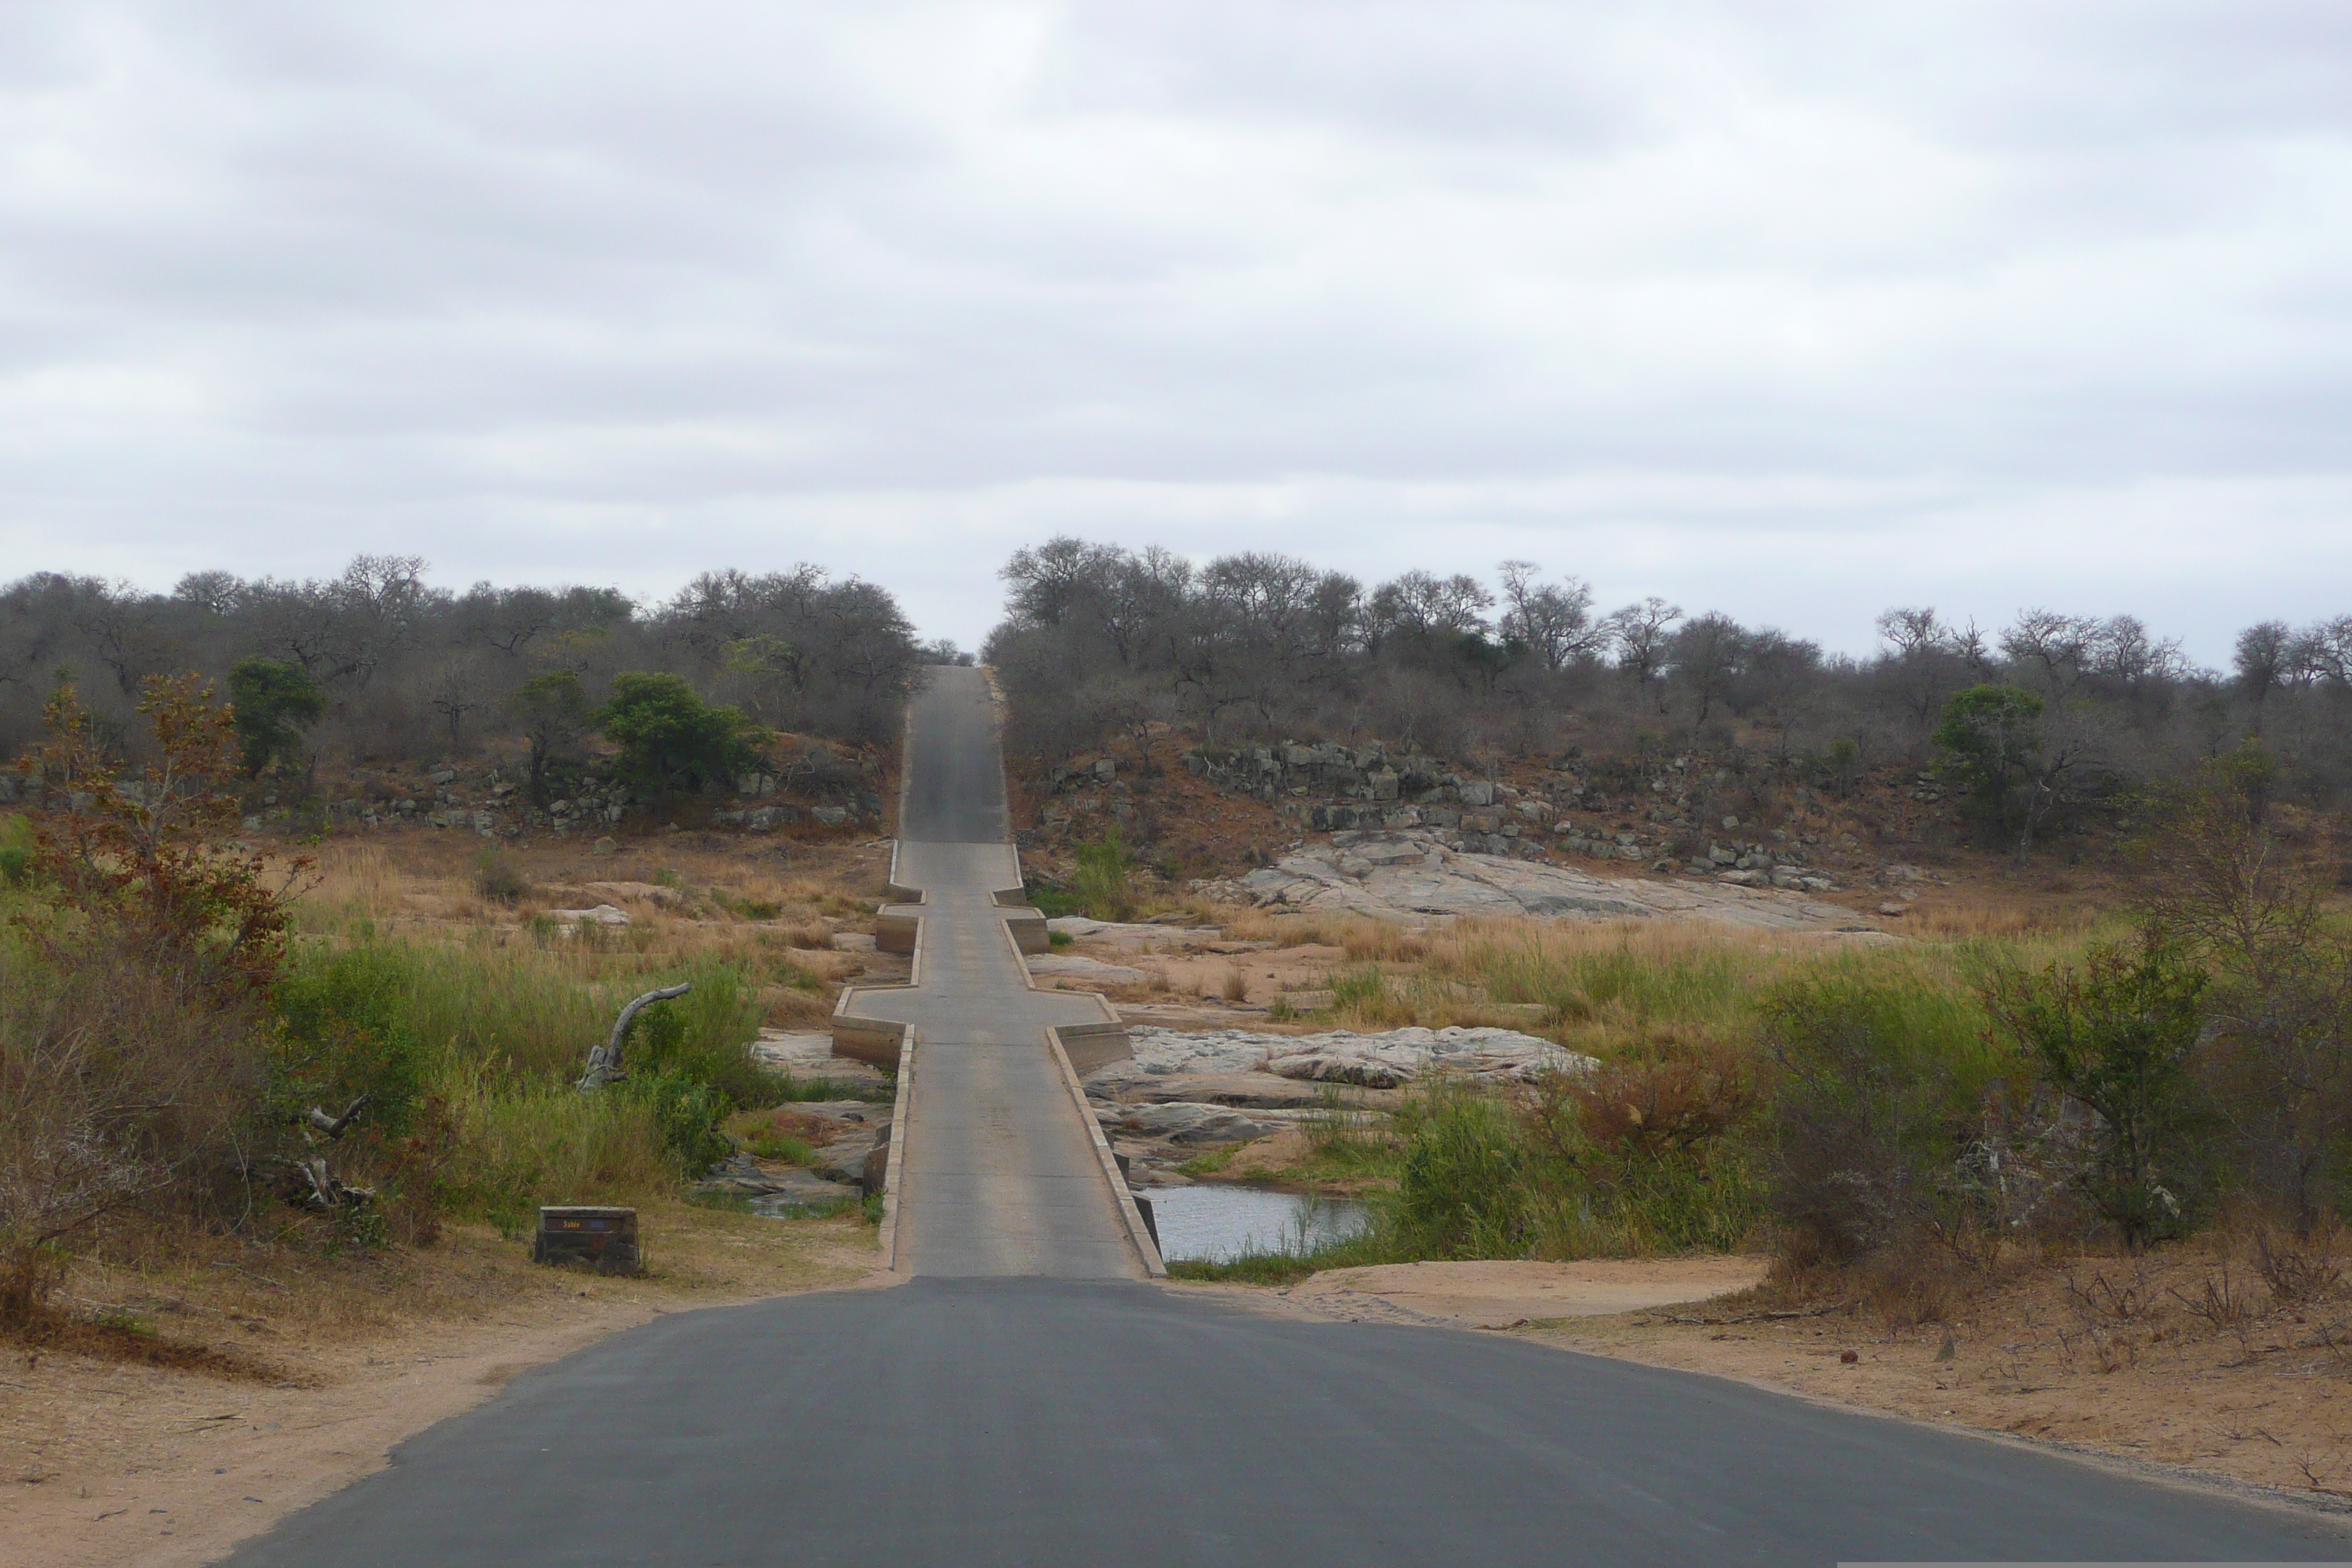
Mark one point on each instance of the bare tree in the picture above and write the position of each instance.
(1553, 621)
(1639, 634)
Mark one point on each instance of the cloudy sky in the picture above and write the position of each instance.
(1791, 309)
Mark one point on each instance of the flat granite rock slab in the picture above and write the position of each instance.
(1416, 880)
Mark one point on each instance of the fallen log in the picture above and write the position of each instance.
(605, 1061)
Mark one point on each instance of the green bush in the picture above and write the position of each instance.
(703, 1037)
(1100, 885)
(1465, 1181)
(1885, 1084)
(346, 1029)
(15, 851)
(274, 702)
(2116, 1037)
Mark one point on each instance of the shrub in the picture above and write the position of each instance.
(496, 878)
(1100, 885)
(1462, 1188)
(1885, 1083)
(346, 1029)
(1653, 1134)
(2115, 1037)
(130, 1051)
(125, 1085)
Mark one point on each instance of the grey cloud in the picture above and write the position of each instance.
(595, 290)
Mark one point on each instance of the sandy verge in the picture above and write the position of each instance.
(106, 1462)
(2100, 1357)
(2280, 1420)
(1503, 1295)
(1494, 1295)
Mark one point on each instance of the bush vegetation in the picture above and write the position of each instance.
(2049, 728)
(1908, 1116)
(168, 1047)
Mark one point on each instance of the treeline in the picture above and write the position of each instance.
(2037, 719)
(377, 666)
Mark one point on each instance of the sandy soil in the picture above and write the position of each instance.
(107, 1461)
(1506, 1295)
(2103, 1355)
(2267, 1401)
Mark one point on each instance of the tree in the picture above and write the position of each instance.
(2246, 902)
(1554, 623)
(1924, 656)
(1640, 634)
(2115, 1037)
(671, 739)
(455, 691)
(1997, 745)
(553, 711)
(2263, 658)
(1707, 654)
(274, 702)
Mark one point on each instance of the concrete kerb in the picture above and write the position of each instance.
(1030, 934)
(887, 1238)
(1138, 1235)
(1029, 981)
(898, 892)
(878, 1042)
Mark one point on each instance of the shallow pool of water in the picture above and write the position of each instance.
(1218, 1224)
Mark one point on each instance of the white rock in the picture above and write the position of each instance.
(1373, 1061)
(1410, 878)
(601, 915)
(1072, 966)
(1188, 1121)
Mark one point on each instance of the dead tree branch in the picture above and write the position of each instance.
(605, 1061)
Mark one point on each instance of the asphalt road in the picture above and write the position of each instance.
(966, 1421)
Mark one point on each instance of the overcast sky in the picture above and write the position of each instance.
(1795, 311)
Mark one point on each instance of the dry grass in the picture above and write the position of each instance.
(1598, 986)
(426, 878)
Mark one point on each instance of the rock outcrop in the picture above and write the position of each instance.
(1414, 877)
(1384, 1060)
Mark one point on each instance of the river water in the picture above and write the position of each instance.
(1216, 1224)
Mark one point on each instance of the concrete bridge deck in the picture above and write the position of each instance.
(999, 1169)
